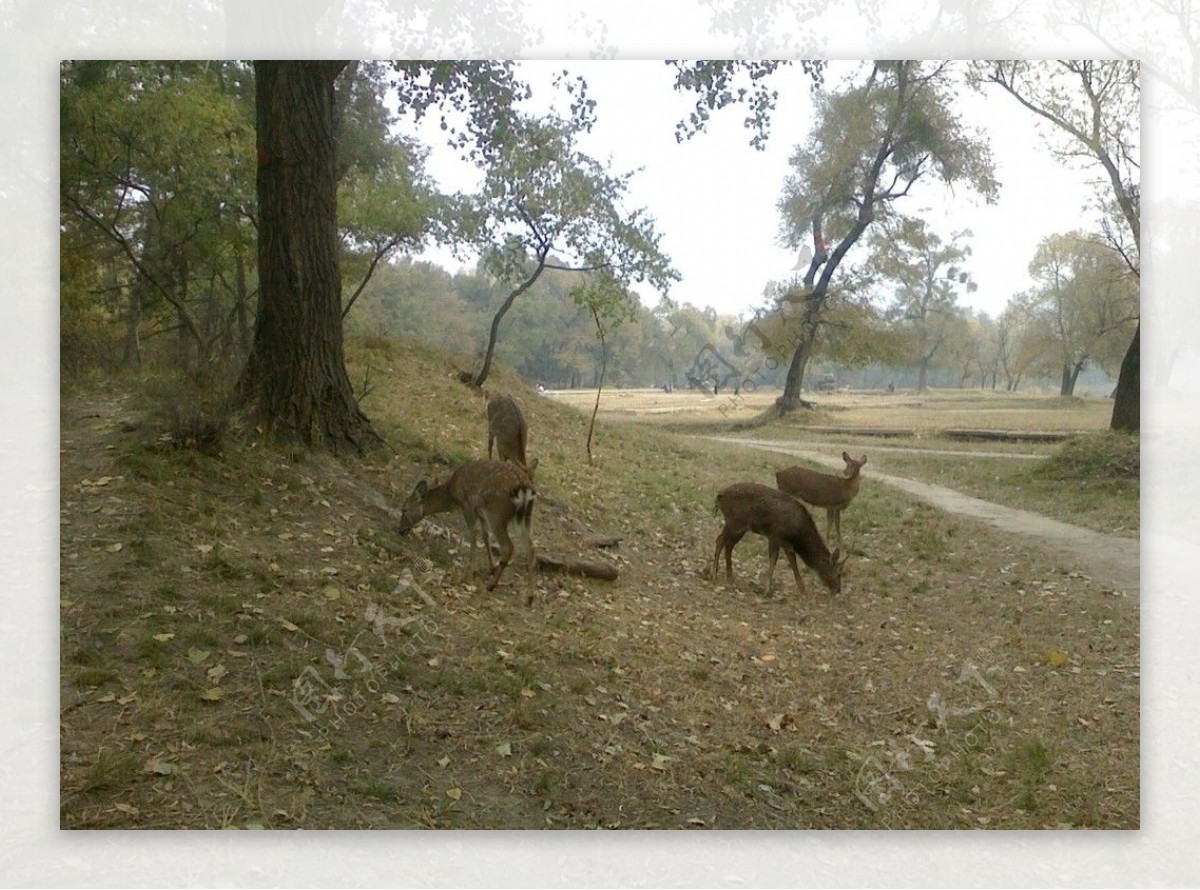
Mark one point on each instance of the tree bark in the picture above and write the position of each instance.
(790, 400)
(1127, 405)
(295, 380)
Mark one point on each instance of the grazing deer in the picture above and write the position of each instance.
(784, 522)
(507, 429)
(491, 494)
(834, 493)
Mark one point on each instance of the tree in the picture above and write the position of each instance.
(1084, 306)
(547, 205)
(927, 276)
(1095, 105)
(720, 83)
(871, 144)
(295, 381)
(382, 210)
(152, 163)
(1015, 348)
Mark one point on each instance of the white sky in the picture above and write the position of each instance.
(714, 197)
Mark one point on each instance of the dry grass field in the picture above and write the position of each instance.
(247, 642)
(987, 444)
(865, 410)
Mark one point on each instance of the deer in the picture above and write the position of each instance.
(507, 429)
(491, 494)
(785, 523)
(834, 493)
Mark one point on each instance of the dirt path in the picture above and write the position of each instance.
(1106, 558)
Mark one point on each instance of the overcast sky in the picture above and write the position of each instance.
(714, 197)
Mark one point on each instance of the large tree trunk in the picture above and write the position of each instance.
(1127, 406)
(790, 400)
(295, 379)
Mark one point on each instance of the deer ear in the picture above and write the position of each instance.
(846, 456)
(421, 488)
(532, 466)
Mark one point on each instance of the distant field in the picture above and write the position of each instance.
(858, 410)
(980, 442)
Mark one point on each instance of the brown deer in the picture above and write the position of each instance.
(784, 522)
(834, 493)
(507, 429)
(491, 494)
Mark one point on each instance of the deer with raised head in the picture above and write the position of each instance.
(834, 493)
(491, 494)
(507, 429)
(785, 523)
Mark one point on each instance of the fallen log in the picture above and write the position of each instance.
(602, 571)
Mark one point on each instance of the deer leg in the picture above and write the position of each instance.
(791, 555)
(530, 557)
(728, 541)
(469, 520)
(772, 557)
(717, 555)
(506, 551)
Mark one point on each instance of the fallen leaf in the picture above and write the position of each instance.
(504, 749)
(213, 694)
(162, 638)
(287, 625)
(1055, 658)
(454, 793)
(204, 548)
(216, 672)
(114, 548)
(196, 656)
(159, 767)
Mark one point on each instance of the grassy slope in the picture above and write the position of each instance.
(246, 642)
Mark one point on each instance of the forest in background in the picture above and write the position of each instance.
(160, 236)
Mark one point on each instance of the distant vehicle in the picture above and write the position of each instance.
(828, 383)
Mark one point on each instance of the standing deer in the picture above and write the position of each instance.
(834, 493)
(507, 429)
(784, 522)
(491, 494)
